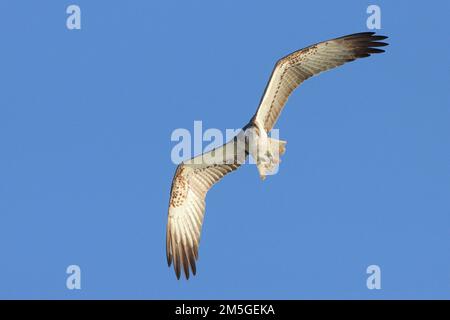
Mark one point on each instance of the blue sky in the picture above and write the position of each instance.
(85, 171)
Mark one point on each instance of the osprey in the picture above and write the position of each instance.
(193, 178)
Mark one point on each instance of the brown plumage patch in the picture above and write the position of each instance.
(179, 189)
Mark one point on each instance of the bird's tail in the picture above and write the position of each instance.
(268, 163)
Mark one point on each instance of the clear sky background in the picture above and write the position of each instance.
(85, 170)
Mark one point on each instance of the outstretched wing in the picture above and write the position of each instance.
(190, 184)
(290, 71)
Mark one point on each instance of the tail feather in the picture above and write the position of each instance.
(268, 163)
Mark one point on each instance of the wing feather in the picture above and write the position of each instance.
(190, 185)
(289, 72)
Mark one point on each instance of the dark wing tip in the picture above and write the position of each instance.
(365, 43)
(168, 246)
(378, 38)
(358, 34)
(374, 50)
(184, 258)
(379, 44)
(177, 263)
(364, 36)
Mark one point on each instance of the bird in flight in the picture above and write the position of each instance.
(194, 177)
